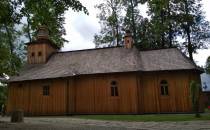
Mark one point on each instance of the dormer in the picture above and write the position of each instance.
(40, 50)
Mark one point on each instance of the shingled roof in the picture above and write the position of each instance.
(107, 60)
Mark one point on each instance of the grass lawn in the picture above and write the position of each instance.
(156, 117)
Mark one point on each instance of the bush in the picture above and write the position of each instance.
(3, 97)
(195, 97)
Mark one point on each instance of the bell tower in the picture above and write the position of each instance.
(39, 51)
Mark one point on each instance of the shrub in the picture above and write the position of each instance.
(195, 97)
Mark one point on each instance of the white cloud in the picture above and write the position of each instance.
(206, 9)
(80, 28)
(201, 57)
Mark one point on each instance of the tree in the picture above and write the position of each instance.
(163, 22)
(10, 47)
(208, 65)
(3, 95)
(49, 13)
(111, 24)
(179, 18)
(133, 20)
(114, 23)
(145, 35)
(195, 29)
(195, 97)
(36, 13)
(10, 61)
(13, 26)
(169, 21)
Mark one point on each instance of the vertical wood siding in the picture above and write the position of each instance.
(91, 94)
(30, 98)
(178, 99)
(45, 49)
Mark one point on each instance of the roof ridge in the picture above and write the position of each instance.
(113, 47)
(90, 49)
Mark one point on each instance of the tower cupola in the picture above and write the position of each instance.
(128, 39)
(42, 48)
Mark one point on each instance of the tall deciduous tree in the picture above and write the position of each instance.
(9, 57)
(195, 29)
(49, 13)
(169, 21)
(10, 61)
(163, 22)
(132, 17)
(12, 18)
(134, 21)
(111, 23)
(41, 12)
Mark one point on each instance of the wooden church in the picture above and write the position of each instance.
(118, 80)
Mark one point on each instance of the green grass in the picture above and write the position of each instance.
(155, 117)
(207, 110)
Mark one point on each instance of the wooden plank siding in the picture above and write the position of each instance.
(45, 49)
(139, 93)
(29, 96)
(178, 99)
(93, 94)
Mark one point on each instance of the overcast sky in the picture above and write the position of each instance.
(80, 28)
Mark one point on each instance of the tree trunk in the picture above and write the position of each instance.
(116, 26)
(133, 21)
(17, 116)
(189, 45)
(117, 35)
(162, 30)
(187, 29)
(11, 46)
(28, 29)
(9, 39)
(170, 26)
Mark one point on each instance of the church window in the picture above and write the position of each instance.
(46, 90)
(164, 87)
(39, 53)
(114, 88)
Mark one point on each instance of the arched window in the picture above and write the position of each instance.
(114, 88)
(164, 87)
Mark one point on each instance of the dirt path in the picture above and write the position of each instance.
(64, 123)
